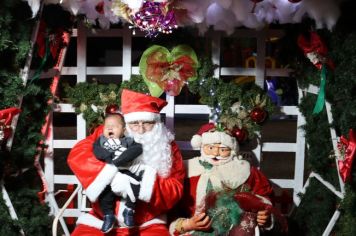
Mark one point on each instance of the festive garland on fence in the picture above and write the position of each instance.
(16, 166)
(241, 108)
(318, 204)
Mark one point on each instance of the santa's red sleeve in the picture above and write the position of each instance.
(163, 193)
(93, 174)
(259, 184)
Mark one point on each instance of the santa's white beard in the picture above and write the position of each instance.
(156, 146)
(228, 172)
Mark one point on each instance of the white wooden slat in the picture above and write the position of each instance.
(135, 70)
(119, 70)
(231, 71)
(81, 54)
(215, 55)
(65, 179)
(69, 70)
(289, 110)
(312, 89)
(62, 143)
(126, 54)
(279, 147)
(65, 108)
(260, 60)
(169, 110)
(179, 109)
(299, 155)
(284, 183)
(81, 127)
(107, 70)
(192, 109)
(331, 223)
(334, 140)
(72, 212)
(48, 158)
(257, 151)
(241, 71)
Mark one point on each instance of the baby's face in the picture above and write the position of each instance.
(113, 127)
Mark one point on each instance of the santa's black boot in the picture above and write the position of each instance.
(128, 215)
(109, 221)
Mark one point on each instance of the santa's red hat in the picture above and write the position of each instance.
(209, 134)
(137, 106)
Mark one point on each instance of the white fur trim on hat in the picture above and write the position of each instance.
(144, 115)
(196, 141)
(219, 137)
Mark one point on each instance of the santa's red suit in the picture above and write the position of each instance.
(157, 194)
(236, 174)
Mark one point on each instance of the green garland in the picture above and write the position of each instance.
(16, 167)
(231, 103)
(313, 214)
(84, 96)
(91, 99)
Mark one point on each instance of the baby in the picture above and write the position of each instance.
(113, 147)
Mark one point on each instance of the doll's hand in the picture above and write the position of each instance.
(200, 222)
(263, 218)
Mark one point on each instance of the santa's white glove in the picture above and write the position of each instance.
(136, 167)
(121, 186)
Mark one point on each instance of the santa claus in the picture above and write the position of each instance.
(220, 171)
(161, 162)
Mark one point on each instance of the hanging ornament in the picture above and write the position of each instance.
(240, 134)
(258, 115)
(154, 18)
(167, 71)
(100, 8)
(348, 151)
(112, 109)
(173, 87)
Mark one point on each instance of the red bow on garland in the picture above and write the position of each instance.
(6, 116)
(315, 50)
(57, 39)
(162, 72)
(348, 150)
(168, 71)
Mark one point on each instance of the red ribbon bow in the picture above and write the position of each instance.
(58, 39)
(159, 72)
(6, 116)
(348, 150)
(315, 49)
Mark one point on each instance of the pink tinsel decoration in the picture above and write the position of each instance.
(154, 18)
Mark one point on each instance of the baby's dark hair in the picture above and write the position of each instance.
(118, 115)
